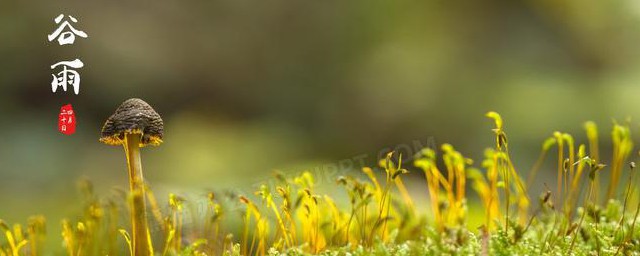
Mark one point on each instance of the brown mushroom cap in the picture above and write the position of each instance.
(133, 116)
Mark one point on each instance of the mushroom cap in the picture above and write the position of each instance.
(133, 116)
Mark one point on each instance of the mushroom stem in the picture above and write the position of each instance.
(141, 236)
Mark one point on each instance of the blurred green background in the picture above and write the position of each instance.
(248, 87)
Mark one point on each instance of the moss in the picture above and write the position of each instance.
(290, 217)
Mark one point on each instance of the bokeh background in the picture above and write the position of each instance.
(249, 87)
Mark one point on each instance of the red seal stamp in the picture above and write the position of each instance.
(67, 120)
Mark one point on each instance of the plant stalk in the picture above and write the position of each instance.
(141, 236)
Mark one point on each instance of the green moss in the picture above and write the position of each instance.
(290, 217)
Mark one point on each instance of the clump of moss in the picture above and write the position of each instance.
(290, 217)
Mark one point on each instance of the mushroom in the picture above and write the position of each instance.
(135, 124)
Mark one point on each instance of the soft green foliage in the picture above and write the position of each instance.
(541, 239)
(289, 216)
